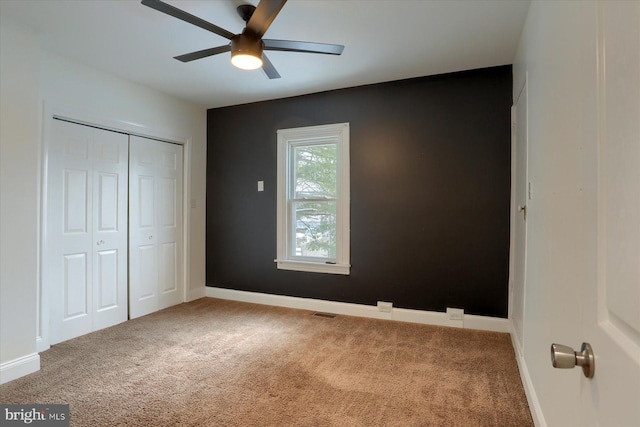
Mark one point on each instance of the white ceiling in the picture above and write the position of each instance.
(384, 41)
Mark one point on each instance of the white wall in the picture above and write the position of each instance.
(35, 82)
(557, 49)
(19, 166)
(97, 95)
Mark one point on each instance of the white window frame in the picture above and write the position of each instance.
(287, 139)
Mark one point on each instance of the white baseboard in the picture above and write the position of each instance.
(361, 310)
(20, 367)
(197, 293)
(529, 390)
(42, 344)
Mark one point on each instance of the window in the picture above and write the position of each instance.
(313, 199)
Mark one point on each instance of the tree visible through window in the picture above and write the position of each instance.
(313, 198)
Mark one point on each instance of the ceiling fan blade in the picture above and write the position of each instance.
(263, 16)
(187, 57)
(187, 17)
(297, 46)
(268, 68)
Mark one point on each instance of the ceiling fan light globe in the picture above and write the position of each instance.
(246, 61)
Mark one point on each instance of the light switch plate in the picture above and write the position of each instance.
(260, 185)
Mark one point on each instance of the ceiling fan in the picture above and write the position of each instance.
(247, 48)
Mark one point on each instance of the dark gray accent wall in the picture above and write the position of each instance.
(430, 193)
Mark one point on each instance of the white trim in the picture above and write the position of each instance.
(484, 323)
(197, 293)
(313, 267)
(529, 390)
(286, 138)
(186, 218)
(116, 125)
(518, 334)
(42, 309)
(512, 213)
(19, 367)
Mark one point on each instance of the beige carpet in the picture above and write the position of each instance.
(221, 363)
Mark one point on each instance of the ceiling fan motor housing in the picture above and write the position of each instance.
(245, 44)
(246, 51)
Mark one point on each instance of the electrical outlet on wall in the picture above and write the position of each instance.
(455, 313)
(455, 317)
(385, 307)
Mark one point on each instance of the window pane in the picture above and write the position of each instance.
(316, 171)
(315, 229)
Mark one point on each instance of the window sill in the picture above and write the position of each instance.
(313, 267)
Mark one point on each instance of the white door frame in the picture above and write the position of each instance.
(532, 399)
(515, 145)
(51, 111)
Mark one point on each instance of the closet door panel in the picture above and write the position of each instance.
(110, 231)
(86, 229)
(75, 188)
(68, 231)
(156, 225)
(170, 221)
(143, 229)
(168, 263)
(107, 202)
(108, 270)
(76, 287)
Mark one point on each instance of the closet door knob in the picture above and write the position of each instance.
(150, 237)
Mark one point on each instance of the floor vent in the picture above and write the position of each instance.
(327, 315)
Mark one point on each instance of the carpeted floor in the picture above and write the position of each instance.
(222, 363)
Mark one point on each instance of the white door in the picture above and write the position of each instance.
(169, 179)
(155, 216)
(143, 235)
(110, 228)
(87, 171)
(520, 184)
(612, 287)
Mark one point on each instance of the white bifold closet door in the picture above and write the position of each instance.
(155, 226)
(86, 229)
